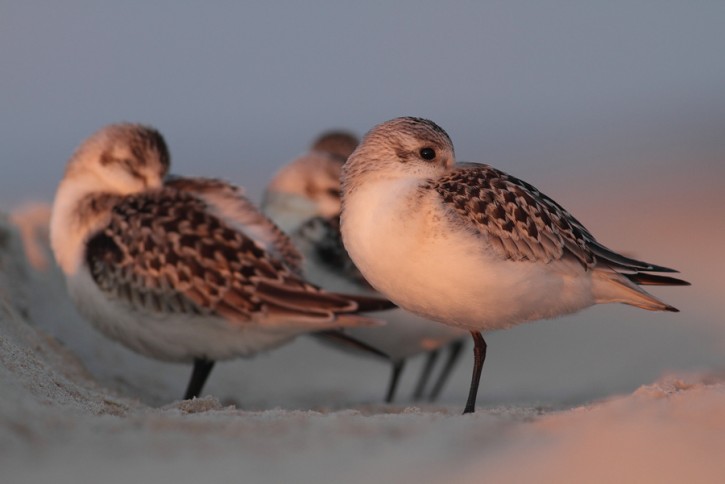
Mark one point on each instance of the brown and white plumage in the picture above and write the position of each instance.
(309, 186)
(165, 252)
(180, 269)
(304, 198)
(523, 224)
(336, 143)
(319, 239)
(470, 246)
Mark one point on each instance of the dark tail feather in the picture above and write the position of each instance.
(292, 298)
(343, 339)
(370, 303)
(644, 279)
(618, 261)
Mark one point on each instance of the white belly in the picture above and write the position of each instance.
(408, 249)
(171, 337)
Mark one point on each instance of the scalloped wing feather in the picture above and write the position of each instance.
(163, 251)
(521, 223)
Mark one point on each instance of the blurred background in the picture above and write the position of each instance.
(615, 109)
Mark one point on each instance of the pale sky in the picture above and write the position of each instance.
(547, 90)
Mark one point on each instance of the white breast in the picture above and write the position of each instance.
(408, 249)
(175, 337)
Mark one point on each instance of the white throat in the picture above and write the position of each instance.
(69, 228)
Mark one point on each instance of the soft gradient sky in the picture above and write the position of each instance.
(539, 88)
(616, 109)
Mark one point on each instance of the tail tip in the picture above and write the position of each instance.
(671, 309)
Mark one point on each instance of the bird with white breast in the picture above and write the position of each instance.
(180, 269)
(470, 246)
(303, 199)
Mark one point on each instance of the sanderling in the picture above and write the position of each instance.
(303, 198)
(471, 246)
(180, 269)
(309, 186)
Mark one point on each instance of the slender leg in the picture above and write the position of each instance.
(454, 353)
(202, 368)
(425, 376)
(394, 377)
(479, 356)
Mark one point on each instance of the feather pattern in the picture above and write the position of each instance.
(323, 237)
(228, 202)
(521, 222)
(164, 251)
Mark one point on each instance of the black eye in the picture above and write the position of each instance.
(427, 153)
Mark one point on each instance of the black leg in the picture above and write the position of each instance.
(454, 353)
(425, 376)
(202, 368)
(479, 356)
(394, 377)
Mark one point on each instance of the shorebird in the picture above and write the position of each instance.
(180, 269)
(303, 198)
(470, 246)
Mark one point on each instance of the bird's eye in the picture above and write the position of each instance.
(427, 154)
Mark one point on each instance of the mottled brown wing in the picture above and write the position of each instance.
(229, 203)
(520, 222)
(164, 251)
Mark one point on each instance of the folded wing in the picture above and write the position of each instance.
(166, 251)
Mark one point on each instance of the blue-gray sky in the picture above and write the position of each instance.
(239, 88)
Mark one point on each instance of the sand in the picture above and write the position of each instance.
(76, 407)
